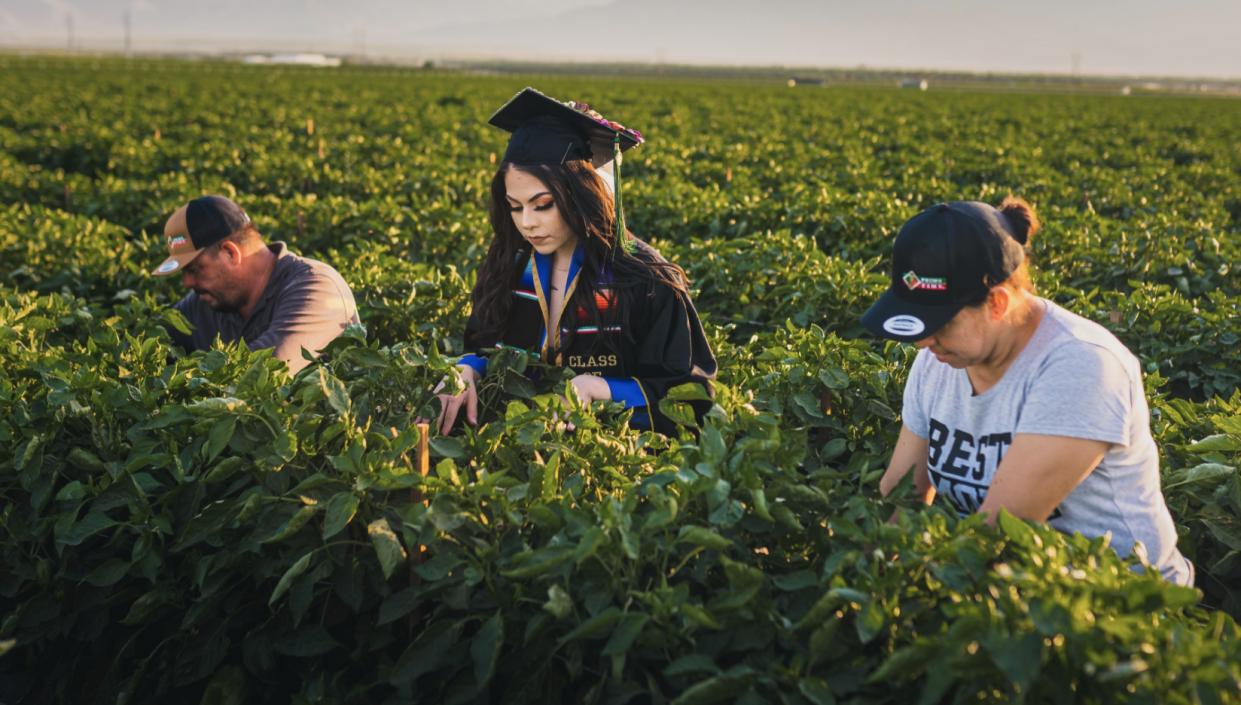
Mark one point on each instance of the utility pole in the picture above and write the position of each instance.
(129, 53)
(1075, 59)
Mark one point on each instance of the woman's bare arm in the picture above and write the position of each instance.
(1038, 472)
(910, 452)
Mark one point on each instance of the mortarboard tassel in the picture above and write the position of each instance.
(622, 240)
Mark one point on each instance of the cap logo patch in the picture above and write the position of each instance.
(904, 324)
(913, 281)
(174, 241)
(168, 266)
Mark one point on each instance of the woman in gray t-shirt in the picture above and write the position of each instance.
(1013, 401)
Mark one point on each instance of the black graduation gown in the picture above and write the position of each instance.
(660, 346)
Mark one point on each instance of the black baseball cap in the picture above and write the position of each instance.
(943, 258)
(547, 131)
(196, 226)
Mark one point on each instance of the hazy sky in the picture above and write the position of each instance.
(1147, 37)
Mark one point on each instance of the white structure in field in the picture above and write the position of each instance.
(914, 83)
(294, 59)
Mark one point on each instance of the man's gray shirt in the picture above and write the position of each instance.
(306, 304)
(1074, 379)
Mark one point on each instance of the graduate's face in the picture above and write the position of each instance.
(536, 215)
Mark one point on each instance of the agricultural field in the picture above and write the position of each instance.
(207, 528)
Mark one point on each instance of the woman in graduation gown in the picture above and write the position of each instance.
(563, 279)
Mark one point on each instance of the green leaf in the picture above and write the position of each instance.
(229, 685)
(691, 663)
(1223, 443)
(425, 654)
(485, 649)
(334, 390)
(712, 690)
(439, 567)
(398, 605)
(110, 573)
(448, 447)
(700, 536)
(226, 469)
(679, 412)
(221, 434)
(71, 491)
(541, 560)
(286, 581)
(834, 378)
(215, 408)
(1018, 531)
(816, 691)
(798, 580)
(297, 521)
(306, 641)
(1018, 657)
(387, 546)
(699, 615)
(286, 445)
(689, 392)
(338, 512)
(604, 620)
(91, 524)
(591, 540)
(870, 621)
(625, 633)
(213, 516)
(1204, 474)
(712, 445)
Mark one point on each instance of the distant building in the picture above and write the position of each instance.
(294, 59)
(920, 84)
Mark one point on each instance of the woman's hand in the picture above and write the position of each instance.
(450, 405)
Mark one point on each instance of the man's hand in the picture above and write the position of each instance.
(451, 405)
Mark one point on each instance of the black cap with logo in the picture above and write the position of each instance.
(943, 258)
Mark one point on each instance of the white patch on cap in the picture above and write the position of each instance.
(904, 325)
(172, 264)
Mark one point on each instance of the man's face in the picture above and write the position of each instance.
(214, 277)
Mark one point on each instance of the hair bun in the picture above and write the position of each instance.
(1021, 217)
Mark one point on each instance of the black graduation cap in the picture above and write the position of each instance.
(546, 131)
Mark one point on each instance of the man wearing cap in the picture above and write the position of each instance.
(1012, 401)
(244, 289)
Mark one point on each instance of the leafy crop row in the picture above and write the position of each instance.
(208, 527)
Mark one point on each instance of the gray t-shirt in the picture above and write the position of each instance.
(306, 304)
(1072, 379)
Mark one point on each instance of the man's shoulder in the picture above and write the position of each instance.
(296, 268)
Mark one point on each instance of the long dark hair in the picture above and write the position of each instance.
(585, 202)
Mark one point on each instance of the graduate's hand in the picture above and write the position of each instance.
(592, 389)
(450, 405)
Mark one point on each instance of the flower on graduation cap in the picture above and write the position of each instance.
(594, 115)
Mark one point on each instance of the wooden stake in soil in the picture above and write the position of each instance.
(157, 135)
(418, 553)
(825, 403)
(310, 126)
(68, 199)
(301, 227)
(321, 148)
